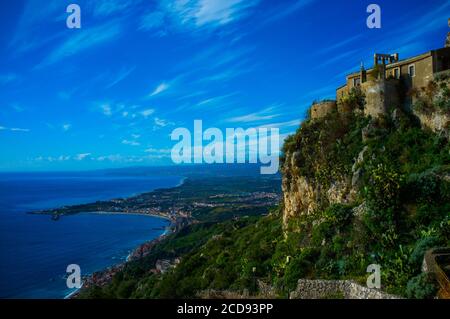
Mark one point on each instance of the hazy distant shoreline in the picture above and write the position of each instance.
(125, 213)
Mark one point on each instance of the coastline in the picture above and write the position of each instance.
(105, 275)
(73, 293)
(136, 253)
(132, 213)
(183, 179)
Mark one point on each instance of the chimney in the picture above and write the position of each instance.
(362, 73)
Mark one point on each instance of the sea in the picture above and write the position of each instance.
(36, 250)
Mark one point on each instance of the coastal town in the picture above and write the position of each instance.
(196, 200)
(188, 202)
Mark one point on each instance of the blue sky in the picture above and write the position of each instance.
(109, 94)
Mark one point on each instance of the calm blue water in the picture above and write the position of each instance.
(35, 250)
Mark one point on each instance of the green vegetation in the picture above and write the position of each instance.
(401, 209)
(434, 97)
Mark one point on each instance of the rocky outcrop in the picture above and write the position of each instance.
(432, 105)
(334, 289)
(303, 195)
(438, 122)
(300, 196)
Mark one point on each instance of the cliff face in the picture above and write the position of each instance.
(320, 165)
(432, 105)
(304, 195)
(324, 162)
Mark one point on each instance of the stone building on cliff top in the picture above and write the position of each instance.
(381, 83)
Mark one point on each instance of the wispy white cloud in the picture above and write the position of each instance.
(287, 9)
(14, 129)
(152, 20)
(66, 127)
(225, 75)
(146, 113)
(17, 129)
(82, 156)
(106, 109)
(63, 158)
(35, 15)
(216, 12)
(339, 44)
(282, 125)
(119, 158)
(158, 151)
(264, 115)
(129, 142)
(109, 7)
(60, 158)
(160, 89)
(122, 75)
(160, 122)
(216, 100)
(334, 59)
(82, 40)
(184, 15)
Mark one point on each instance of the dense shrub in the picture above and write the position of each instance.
(422, 286)
(421, 247)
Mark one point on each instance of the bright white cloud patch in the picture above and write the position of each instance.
(14, 129)
(159, 89)
(82, 156)
(147, 113)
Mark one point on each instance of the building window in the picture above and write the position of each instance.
(412, 70)
(397, 73)
(356, 82)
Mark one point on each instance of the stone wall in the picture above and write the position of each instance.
(380, 95)
(319, 289)
(321, 109)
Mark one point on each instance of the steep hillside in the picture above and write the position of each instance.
(361, 190)
(356, 191)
